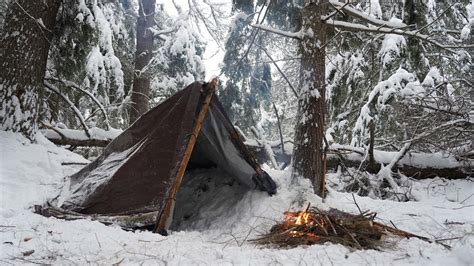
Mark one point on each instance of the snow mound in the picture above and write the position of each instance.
(31, 173)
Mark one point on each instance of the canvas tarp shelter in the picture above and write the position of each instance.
(140, 170)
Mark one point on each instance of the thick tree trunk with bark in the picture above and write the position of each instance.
(25, 41)
(308, 153)
(143, 55)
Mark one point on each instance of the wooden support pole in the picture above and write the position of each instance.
(165, 213)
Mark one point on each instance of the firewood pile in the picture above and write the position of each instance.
(315, 226)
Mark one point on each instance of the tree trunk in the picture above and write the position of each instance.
(25, 39)
(415, 14)
(143, 56)
(309, 134)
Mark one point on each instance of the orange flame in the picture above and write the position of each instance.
(298, 218)
(295, 233)
(305, 219)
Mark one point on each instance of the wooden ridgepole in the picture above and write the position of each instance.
(163, 216)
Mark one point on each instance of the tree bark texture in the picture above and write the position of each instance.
(25, 43)
(308, 152)
(143, 56)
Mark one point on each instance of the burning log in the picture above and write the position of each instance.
(315, 226)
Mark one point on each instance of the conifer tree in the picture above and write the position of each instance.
(27, 32)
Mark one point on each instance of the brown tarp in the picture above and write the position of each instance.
(135, 172)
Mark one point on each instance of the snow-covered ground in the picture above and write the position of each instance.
(31, 173)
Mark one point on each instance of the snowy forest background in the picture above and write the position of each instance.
(390, 80)
(402, 83)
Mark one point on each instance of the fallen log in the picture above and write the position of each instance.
(416, 165)
(282, 156)
(418, 173)
(80, 142)
(126, 222)
(77, 138)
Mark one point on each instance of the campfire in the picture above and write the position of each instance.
(314, 226)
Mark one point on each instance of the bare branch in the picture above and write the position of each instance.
(437, 18)
(213, 28)
(336, 11)
(52, 88)
(279, 128)
(279, 70)
(296, 35)
(91, 96)
(254, 33)
(438, 128)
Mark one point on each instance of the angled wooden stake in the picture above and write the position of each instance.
(169, 205)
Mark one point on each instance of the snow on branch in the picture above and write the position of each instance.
(363, 16)
(98, 137)
(399, 83)
(393, 27)
(297, 35)
(386, 171)
(389, 30)
(416, 164)
(157, 33)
